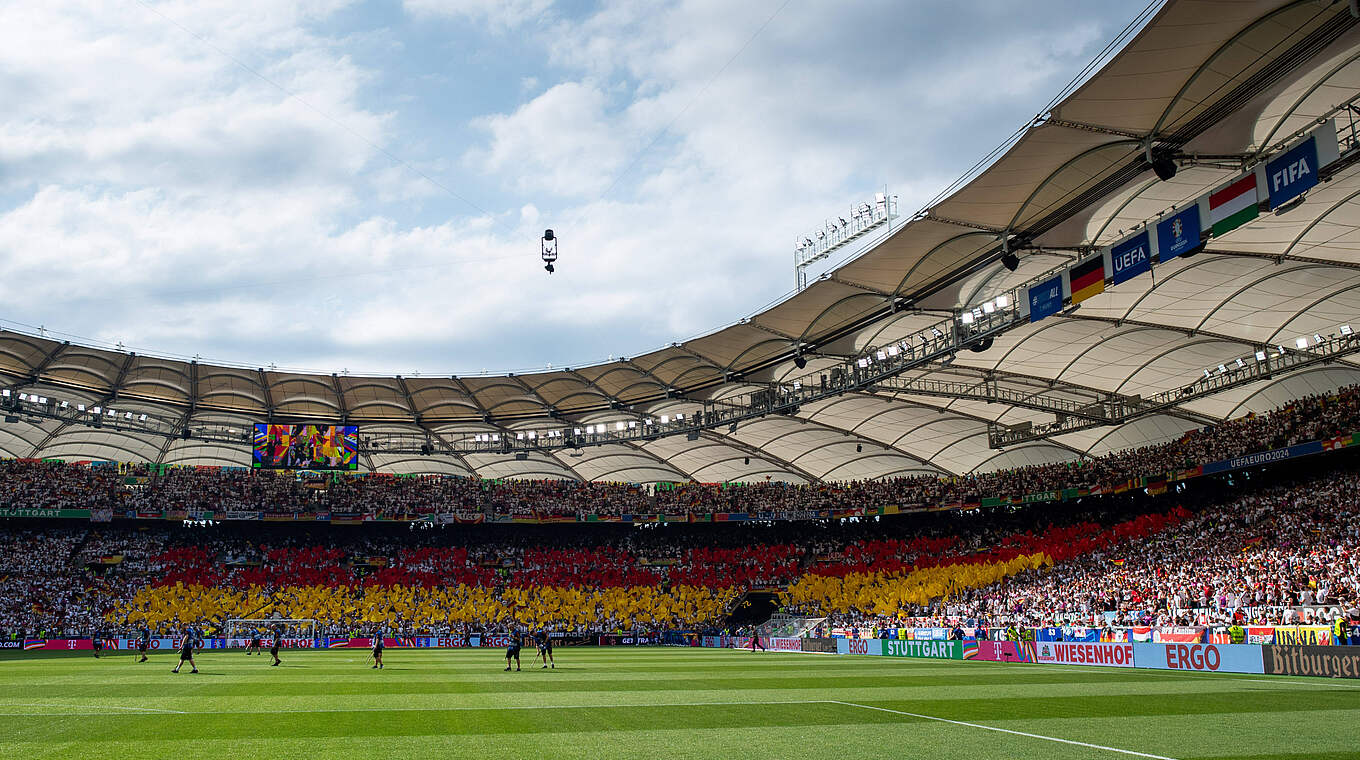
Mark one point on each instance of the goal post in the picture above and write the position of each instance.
(239, 631)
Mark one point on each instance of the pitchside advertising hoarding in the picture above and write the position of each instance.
(931, 650)
(1229, 658)
(1083, 653)
(859, 646)
(1324, 662)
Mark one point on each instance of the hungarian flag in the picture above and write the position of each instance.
(1087, 278)
(1234, 205)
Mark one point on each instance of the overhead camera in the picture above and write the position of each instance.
(548, 248)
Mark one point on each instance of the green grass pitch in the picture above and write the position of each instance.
(654, 703)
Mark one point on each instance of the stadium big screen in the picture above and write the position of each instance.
(306, 447)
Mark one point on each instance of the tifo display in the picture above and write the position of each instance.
(1273, 555)
(306, 447)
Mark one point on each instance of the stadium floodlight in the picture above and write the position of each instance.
(680, 418)
(519, 436)
(95, 410)
(893, 350)
(988, 308)
(1260, 356)
(862, 362)
(1346, 330)
(64, 405)
(531, 435)
(80, 407)
(881, 355)
(1241, 364)
(618, 426)
(1281, 350)
(966, 317)
(1222, 370)
(797, 386)
(632, 424)
(142, 418)
(665, 419)
(1207, 374)
(42, 399)
(1301, 343)
(127, 416)
(114, 413)
(1002, 301)
(23, 396)
(495, 436)
(936, 332)
(5, 393)
(1317, 338)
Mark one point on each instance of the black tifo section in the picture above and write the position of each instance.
(754, 608)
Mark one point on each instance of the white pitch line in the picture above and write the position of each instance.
(1004, 730)
(459, 708)
(1319, 685)
(157, 710)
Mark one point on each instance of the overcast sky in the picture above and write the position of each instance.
(242, 179)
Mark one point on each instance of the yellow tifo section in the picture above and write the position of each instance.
(640, 606)
(889, 594)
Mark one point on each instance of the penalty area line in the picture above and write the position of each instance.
(1003, 730)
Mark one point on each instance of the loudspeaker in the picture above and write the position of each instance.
(1164, 167)
(981, 345)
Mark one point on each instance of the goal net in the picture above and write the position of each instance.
(788, 626)
(240, 631)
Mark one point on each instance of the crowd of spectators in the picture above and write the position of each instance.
(1256, 555)
(1265, 555)
(1282, 555)
(33, 484)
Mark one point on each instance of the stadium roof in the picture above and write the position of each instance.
(1219, 81)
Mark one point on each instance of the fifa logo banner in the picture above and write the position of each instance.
(1293, 173)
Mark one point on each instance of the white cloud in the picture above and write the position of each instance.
(499, 14)
(157, 193)
(566, 142)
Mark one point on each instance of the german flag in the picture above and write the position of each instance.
(1087, 278)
